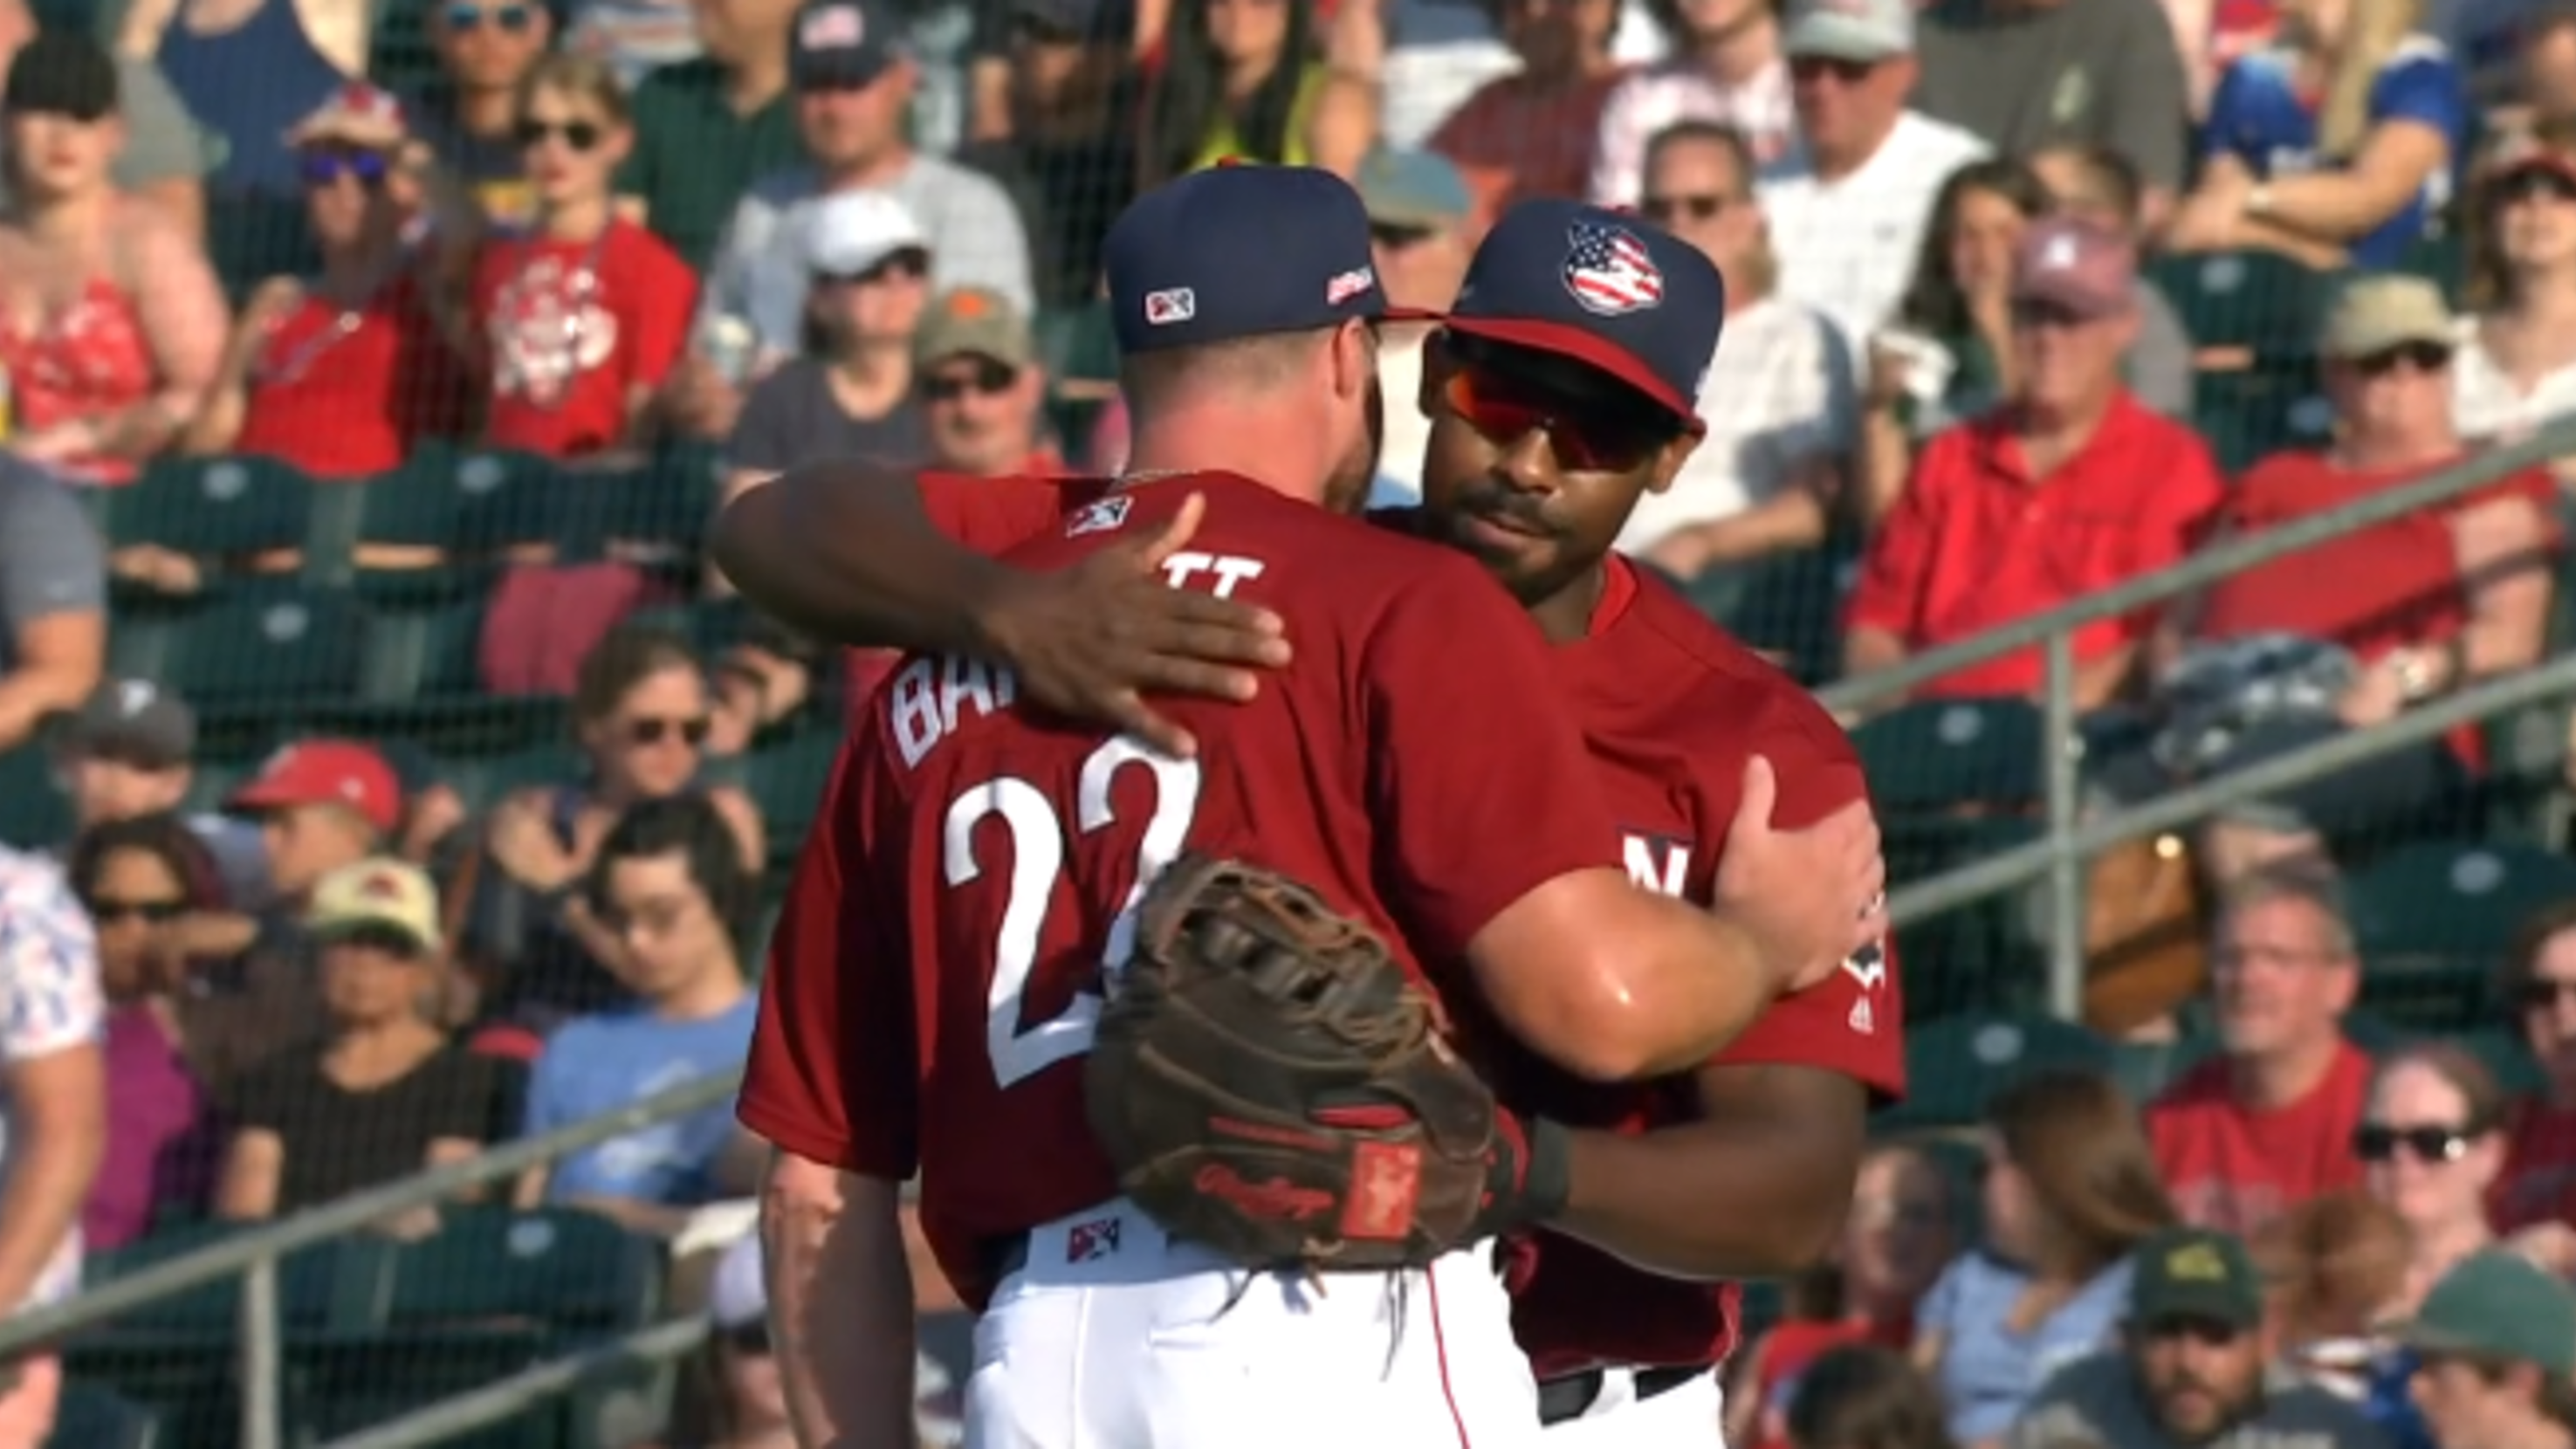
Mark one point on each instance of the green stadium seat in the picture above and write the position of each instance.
(2258, 301)
(2247, 416)
(2505, 1054)
(270, 645)
(2442, 260)
(711, 626)
(214, 507)
(1076, 344)
(90, 1417)
(2145, 1068)
(1956, 1065)
(491, 1293)
(461, 502)
(2374, 1033)
(34, 813)
(1939, 753)
(666, 502)
(2435, 919)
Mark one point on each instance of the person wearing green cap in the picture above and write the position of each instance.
(2194, 1369)
(2495, 1349)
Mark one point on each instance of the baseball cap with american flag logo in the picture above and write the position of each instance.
(1603, 288)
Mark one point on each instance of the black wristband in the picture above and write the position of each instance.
(1547, 1177)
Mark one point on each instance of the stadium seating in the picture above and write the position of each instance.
(91, 1417)
(2434, 919)
(1954, 1066)
(33, 812)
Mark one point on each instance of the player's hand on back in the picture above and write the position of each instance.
(1811, 897)
(1091, 641)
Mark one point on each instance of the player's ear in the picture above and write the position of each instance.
(1435, 373)
(1669, 460)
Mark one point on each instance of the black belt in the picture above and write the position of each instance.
(1569, 1397)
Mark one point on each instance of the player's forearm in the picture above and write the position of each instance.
(1755, 1188)
(845, 551)
(1683, 985)
(840, 1306)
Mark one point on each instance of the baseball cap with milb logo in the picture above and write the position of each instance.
(1241, 251)
(325, 772)
(841, 43)
(377, 896)
(1602, 288)
(2085, 269)
(1863, 31)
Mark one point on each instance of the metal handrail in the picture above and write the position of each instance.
(269, 1242)
(2555, 439)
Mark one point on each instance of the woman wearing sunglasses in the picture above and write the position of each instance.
(2516, 367)
(343, 373)
(643, 719)
(586, 314)
(138, 878)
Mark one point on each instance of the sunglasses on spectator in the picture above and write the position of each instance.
(107, 909)
(1825, 67)
(985, 378)
(1395, 237)
(510, 19)
(2379, 1142)
(1665, 210)
(747, 1340)
(2527, 183)
(2541, 991)
(907, 264)
(1504, 410)
(2414, 356)
(324, 167)
(650, 731)
(579, 135)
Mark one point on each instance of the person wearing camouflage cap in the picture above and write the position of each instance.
(2195, 1367)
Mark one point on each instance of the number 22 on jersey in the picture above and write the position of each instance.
(1040, 839)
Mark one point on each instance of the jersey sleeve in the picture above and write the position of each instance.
(2425, 88)
(1854, 1023)
(831, 1074)
(992, 516)
(1477, 776)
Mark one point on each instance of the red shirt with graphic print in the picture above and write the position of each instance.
(2233, 1167)
(573, 330)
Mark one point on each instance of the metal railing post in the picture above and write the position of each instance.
(2057, 738)
(263, 1359)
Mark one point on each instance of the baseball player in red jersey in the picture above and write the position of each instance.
(933, 984)
(1550, 418)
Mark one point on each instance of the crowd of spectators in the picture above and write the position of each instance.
(1957, 366)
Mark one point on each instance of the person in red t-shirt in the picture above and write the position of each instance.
(1365, 768)
(586, 314)
(341, 375)
(2066, 489)
(2268, 1122)
(2425, 603)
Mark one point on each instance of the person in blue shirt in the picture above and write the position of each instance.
(2071, 1190)
(670, 886)
(2337, 143)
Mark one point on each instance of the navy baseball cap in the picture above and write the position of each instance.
(1241, 251)
(1601, 287)
(844, 42)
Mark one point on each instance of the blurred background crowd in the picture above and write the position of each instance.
(370, 369)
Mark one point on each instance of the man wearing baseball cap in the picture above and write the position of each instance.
(2195, 1367)
(130, 750)
(2495, 1346)
(983, 393)
(1848, 204)
(321, 804)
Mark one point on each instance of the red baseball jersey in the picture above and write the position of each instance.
(934, 981)
(1671, 709)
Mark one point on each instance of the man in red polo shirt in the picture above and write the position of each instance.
(2268, 1122)
(2068, 487)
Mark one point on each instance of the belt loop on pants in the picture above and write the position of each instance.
(1571, 1396)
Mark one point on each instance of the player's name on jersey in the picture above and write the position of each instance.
(929, 698)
